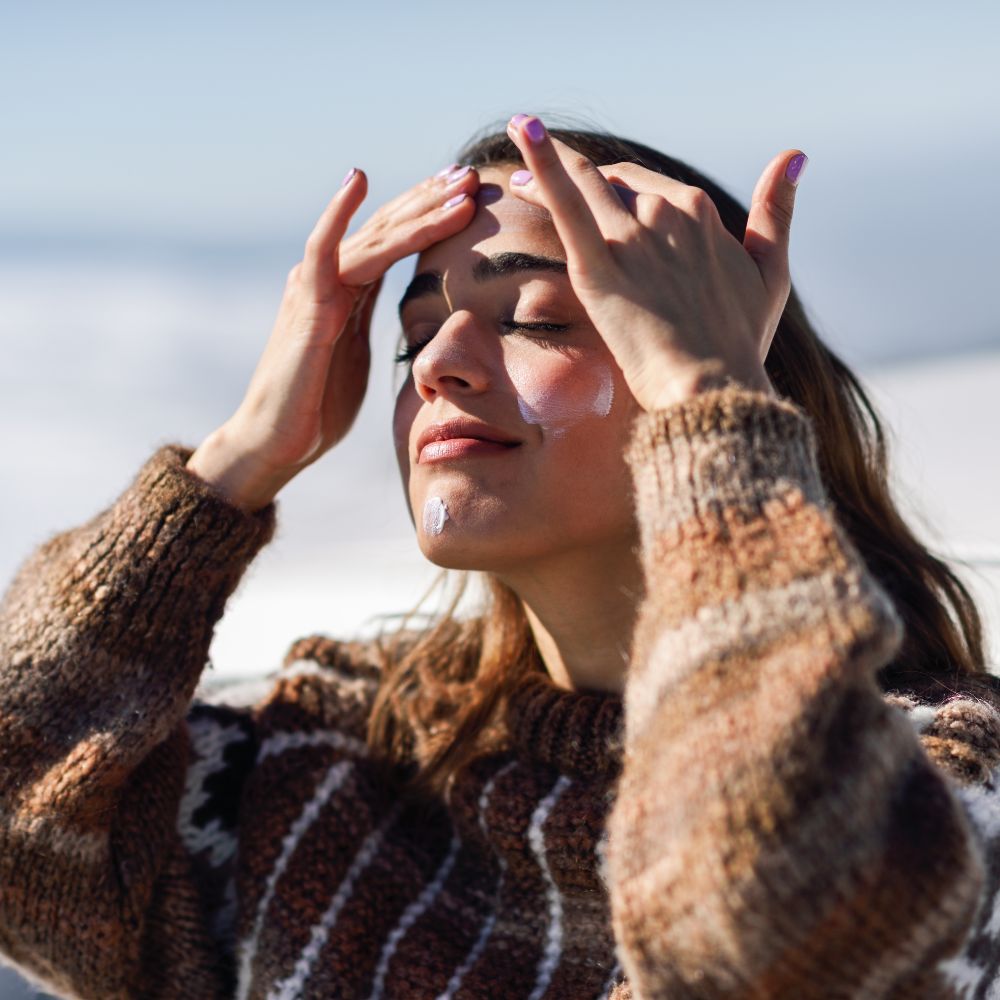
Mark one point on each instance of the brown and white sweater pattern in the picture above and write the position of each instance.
(754, 818)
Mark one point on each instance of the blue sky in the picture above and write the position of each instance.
(223, 128)
(235, 121)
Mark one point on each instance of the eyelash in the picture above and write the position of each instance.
(409, 353)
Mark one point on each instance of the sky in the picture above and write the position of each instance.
(233, 121)
(215, 132)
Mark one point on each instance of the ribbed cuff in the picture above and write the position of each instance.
(723, 448)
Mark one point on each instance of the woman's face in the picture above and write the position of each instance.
(511, 426)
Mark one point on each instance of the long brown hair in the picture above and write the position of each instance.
(443, 687)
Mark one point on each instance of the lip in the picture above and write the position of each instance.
(462, 437)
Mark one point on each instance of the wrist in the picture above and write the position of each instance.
(705, 376)
(234, 473)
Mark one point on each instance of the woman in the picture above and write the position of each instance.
(694, 746)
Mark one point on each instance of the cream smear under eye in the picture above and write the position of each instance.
(435, 514)
(553, 410)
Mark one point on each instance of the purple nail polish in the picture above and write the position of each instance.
(534, 130)
(517, 119)
(457, 175)
(457, 200)
(520, 177)
(350, 176)
(447, 170)
(796, 167)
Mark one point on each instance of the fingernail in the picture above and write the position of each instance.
(447, 170)
(457, 175)
(520, 177)
(457, 200)
(534, 130)
(796, 167)
(517, 119)
(350, 176)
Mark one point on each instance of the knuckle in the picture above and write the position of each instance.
(294, 274)
(699, 200)
(658, 209)
(701, 205)
(779, 210)
(376, 224)
(312, 245)
(623, 169)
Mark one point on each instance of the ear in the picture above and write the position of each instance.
(770, 220)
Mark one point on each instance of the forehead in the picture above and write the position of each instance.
(502, 223)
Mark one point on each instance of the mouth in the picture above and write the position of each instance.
(462, 438)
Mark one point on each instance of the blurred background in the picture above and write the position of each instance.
(163, 163)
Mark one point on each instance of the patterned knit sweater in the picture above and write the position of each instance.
(754, 817)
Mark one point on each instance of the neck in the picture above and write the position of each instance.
(581, 607)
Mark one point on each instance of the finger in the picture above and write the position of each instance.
(522, 187)
(411, 201)
(655, 212)
(440, 212)
(322, 265)
(645, 181)
(600, 194)
(770, 220)
(571, 188)
(660, 197)
(319, 262)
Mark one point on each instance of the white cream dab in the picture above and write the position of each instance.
(554, 412)
(435, 514)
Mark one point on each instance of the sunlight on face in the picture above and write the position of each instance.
(510, 430)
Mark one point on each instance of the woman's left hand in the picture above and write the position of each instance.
(680, 303)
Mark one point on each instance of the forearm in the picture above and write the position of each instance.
(778, 829)
(106, 628)
(103, 635)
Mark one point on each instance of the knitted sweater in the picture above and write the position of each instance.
(753, 817)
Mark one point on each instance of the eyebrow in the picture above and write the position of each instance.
(498, 266)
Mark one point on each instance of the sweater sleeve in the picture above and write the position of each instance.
(779, 830)
(103, 635)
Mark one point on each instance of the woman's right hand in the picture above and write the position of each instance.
(311, 379)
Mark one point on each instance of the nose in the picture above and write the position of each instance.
(454, 363)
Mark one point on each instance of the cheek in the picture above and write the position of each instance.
(557, 392)
(405, 412)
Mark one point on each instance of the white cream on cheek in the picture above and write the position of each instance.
(435, 514)
(557, 406)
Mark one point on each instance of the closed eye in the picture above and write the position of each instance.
(409, 352)
(511, 324)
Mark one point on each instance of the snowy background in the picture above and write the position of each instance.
(163, 164)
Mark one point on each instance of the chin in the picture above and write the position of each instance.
(466, 529)
(455, 553)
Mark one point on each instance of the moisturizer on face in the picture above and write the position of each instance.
(556, 411)
(435, 514)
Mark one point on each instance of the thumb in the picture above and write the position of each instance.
(770, 219)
